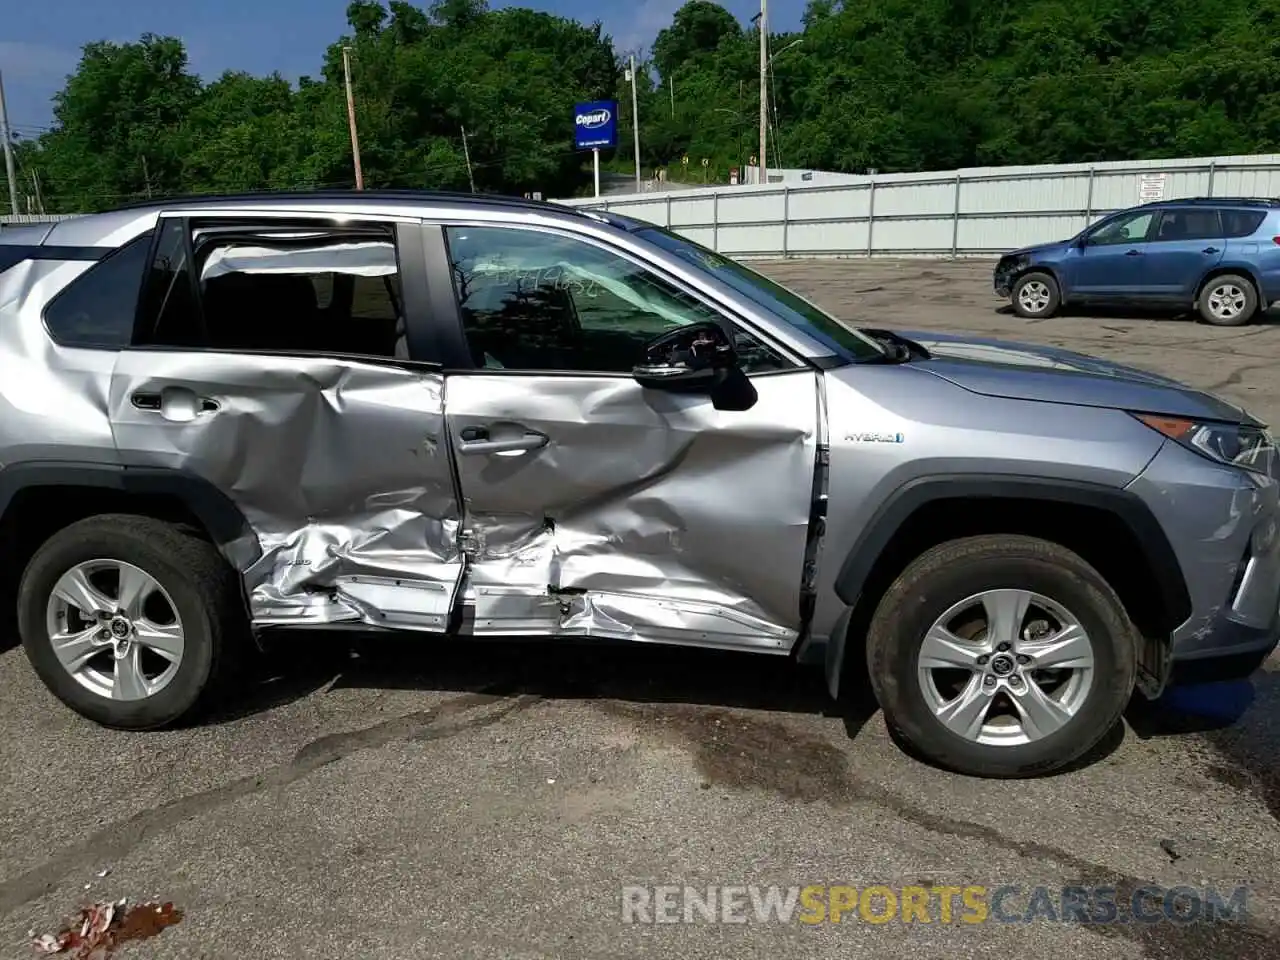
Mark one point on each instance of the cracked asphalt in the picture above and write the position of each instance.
(422, 798)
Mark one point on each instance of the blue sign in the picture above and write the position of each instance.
(595, 125)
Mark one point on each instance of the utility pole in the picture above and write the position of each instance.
(7, 143)
(635, 120)
(764, 88)
(351, 116)
(466, 152)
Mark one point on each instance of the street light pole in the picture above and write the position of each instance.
(764, 88)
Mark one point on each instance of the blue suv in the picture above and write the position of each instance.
(1218, 256)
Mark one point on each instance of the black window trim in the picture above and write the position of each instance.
(462, 362)
(406, 236)
(98, 256)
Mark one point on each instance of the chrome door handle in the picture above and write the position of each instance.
(1209, 250)
(476, 440)
(1133, 253)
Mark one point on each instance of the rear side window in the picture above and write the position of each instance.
(292, 288)
(1241, 223)
(1188, 223)
(97, 309)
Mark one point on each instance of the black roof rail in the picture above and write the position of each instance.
(423, 196)
(1227, 201)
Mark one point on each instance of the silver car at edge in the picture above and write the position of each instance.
(229, 417)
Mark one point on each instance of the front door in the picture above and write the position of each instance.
(594, 506)
(271, 358)
(1111, 265)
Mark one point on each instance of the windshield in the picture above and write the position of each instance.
(778, 300)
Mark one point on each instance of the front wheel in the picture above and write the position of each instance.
(1001, 656)
(1036, 296)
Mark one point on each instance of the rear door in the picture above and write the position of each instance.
(271, 358)
(1187, 243)
(1112, 261)
(592, 505)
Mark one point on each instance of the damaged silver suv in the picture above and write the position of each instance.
(449, 414)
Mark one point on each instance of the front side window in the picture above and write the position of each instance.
(97, 309)
(846, 342)
(538, 301)
(1131, 228)
(299, 288)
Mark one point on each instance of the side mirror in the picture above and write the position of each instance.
(692, 359)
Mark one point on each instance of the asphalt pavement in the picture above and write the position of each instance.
(426, 798)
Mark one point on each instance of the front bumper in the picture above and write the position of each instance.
(1224, 526)
(1002, 278)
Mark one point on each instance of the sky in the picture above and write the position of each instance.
(41, 41)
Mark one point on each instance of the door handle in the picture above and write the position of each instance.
(1209, 250)
(476, 440)
(1133, 253)
(174, 403)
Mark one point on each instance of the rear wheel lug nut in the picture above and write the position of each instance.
(982, 660)
(1023, 658)
(1016, 680)
(989, 681)
(1003, 647)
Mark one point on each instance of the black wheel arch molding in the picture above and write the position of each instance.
(222, 520)
(897, 509)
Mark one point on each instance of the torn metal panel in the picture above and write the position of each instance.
(337, 465)
(646, 515)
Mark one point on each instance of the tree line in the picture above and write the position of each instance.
(888, 85)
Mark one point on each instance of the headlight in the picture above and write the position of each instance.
(1236, 444)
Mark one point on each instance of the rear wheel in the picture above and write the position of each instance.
(1036, 296)
(129, 621)
(1228, 301)
(1001, 656)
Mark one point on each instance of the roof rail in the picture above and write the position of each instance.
(1237, 201)
(422, 196)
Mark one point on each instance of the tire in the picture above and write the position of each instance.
(195, 585)
(1228, 301)
(953, 573)
(1035, 296)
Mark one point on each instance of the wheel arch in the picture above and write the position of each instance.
(39, 498)
(1110, 527)
(1239, 269)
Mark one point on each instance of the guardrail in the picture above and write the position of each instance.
(974, 212)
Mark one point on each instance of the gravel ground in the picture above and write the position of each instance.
(430, 799)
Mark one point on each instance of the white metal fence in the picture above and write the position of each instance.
(974, 212)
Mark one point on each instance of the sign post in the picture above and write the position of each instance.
(595, 128)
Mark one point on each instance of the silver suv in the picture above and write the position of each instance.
(462, 415)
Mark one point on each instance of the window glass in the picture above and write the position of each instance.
(1188, 224)
(98, 308)
(775, 298)
(291, 290)
(1241, 223)
(1132, 228)
(537, 301)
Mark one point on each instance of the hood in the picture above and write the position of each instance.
(1021, 371)
(1039, 248)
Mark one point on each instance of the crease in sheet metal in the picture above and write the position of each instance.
(337, 465)
(646, 517)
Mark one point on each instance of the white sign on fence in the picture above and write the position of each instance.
(1151, 188)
